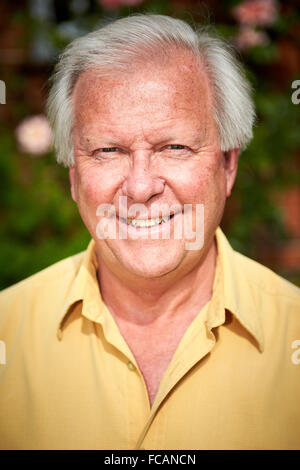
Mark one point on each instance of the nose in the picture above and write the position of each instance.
(140, 184)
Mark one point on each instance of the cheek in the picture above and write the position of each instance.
(202, 183)
(91, 188)
(95, 188)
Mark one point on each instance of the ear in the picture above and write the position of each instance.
(72, 176)
(231, 159)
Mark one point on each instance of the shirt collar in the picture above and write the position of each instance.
(84, 287)
(231, 292)
(237, 293)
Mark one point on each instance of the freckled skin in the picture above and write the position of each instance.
(153, 288)
(141, 114)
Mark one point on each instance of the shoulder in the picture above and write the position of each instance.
(266, 287)
(266, 279)
(30, 311)
(250, 280)
(46, 283)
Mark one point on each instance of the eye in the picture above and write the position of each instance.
(106, 153)
(177, 147)
(106, 150)
(177, 151)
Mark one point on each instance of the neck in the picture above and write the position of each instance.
(151, 301)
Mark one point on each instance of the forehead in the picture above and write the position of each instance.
(154, 92)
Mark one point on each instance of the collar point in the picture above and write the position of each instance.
(59, 334)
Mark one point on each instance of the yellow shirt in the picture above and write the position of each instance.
(71, 382)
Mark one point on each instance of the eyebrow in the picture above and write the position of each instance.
(163, 135)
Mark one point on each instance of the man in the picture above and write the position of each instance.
(159, 336)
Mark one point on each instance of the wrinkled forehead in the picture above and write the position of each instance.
(150, 104)
(182, 78)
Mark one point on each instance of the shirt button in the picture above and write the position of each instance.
(130, 366)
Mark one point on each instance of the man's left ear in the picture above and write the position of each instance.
(231, 159)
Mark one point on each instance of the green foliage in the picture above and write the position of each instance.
(40, 222)
(266, 167)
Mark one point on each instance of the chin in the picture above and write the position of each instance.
(151, 272)
(151, 261)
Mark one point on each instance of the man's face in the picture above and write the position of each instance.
(149, 136)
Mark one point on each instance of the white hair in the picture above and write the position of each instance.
(122, 44)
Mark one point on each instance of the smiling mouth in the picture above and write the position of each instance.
(145, 223)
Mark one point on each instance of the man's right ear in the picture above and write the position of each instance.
(72, 177)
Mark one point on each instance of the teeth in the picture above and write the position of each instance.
(146, 222)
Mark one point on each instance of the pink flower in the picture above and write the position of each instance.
(256, 12)
(34, 135)
(113, 4)
(249, 37)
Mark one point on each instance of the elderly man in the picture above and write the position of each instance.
(159, 336)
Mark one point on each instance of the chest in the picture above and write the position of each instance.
(153, 353)
(153, 364)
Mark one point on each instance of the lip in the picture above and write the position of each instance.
(146, 218)
(159, 230)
